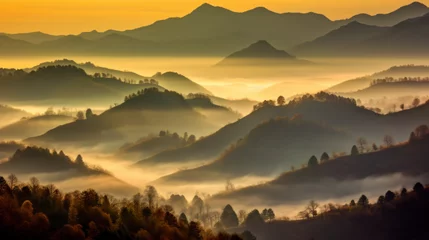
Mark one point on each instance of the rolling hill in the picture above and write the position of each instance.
(58, 167)
(390, 90)
(179, 83)
(9, 114)
(72, 86)
(322, 108)
(268, 149)
(90, 69)
(408, 159)
(140, 114)
(218, 115)
(170, 80)
(393, 72)
(33, 126)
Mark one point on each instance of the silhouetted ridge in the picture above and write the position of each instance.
(59, 71)
(209, 10)
(261, 49)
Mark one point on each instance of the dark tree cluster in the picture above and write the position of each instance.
(141, 92)
(60, 70)
(33, 211)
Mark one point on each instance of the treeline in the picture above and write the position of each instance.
(362, 146)
(396, 80)
(141, 92)
(320, 97)
(5, 72)
(33, 211)
(125, 80)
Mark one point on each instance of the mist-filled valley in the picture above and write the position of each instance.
(219, 125)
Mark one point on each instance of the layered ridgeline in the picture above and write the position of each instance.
(269, 149)
(72, 86)
(179, 83)
(334, 111)
(392, 88)
(404, 71)
(138, 115)
(208, 30)
(218, 115)
(334, 177)
(9, 114)
(56, 166)
(261, 54)
(33, 126)
(407, 38)
(170, 80)
(150, 145)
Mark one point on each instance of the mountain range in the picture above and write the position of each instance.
(208, 30)
(407, 38)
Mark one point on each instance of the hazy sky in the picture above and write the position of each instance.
(74, 16)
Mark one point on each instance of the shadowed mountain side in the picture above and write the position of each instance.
(91, 69)
(71, 84)
(320, 108)
(407, 38)
(409, 159)
(11, 46)
(179, 83)
(339, 40)
(33, 126)
(269, 149)
(260, 53)
(414, 9)
(391, 90)
(394, 72)
(9, 114)
(140, 114)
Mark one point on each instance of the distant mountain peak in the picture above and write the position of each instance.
(207, 8)
(416, 4)
(259, 10)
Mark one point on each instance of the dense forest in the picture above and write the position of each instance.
(34, 211)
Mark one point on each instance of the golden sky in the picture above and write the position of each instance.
(75, 16)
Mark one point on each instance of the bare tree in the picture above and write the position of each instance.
(312, 208)
(362, 145)
(388, 141)
(242, 214)
(12, 180)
